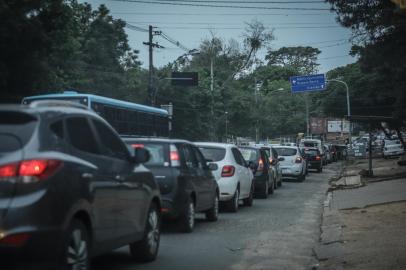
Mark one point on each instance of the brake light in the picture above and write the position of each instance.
(260, 165)
(174, 156)
(9, 170)
(227, 171)
(39, 168)
(298, 160)
(137, 145)
(15, 239)
(318, 157)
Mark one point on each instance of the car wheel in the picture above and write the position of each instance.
(187, 220)
(320, 169)
(250, 200)
(233, 203)
(265, 192)
(146, 250)
(76, 249)
(272, 188)
(213, 213)
(302, 177)
(280, 182)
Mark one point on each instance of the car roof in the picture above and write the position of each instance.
(286, 146)
(61, 109)
(154, 139)
(214, 144)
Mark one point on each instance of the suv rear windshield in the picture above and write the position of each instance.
(286, 151)
(16, 129)
(311, 152)
(249, 154)
(213, 153)
(158, 156)
(310, 144)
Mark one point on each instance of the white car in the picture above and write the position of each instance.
(392, 148)
(293, 164)
(233, 175)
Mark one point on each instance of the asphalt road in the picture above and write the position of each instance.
(276, 233)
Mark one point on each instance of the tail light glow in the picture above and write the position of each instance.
(318, 158)
(298, 160)
(15, 239)
(260, 165)
(174, 156)
(40, 168)
(137, 145)
(227, 171)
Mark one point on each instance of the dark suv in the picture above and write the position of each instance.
(259, 163)
(186, 182)
(314, 158)
(71, 189)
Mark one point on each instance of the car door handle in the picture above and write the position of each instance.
(87, 175)
(119, 178)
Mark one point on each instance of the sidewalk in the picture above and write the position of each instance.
(364, 227)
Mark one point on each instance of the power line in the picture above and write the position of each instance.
(242, 28)
(136, 28)
(173, 41)
(219, 14)
(220, 6)
(219, 23)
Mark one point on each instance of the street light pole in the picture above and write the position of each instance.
(226, 113)
(348, 105)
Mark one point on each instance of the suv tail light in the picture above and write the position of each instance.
(260, 165)
(227, 171)
(39, 168)
(298, 160)
(15, 240)
(318, 157)
(174, 156)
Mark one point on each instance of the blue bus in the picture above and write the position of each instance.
(129, 119)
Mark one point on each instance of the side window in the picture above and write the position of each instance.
(238, 157)
(190, 159)
(274, 154)
(80, 135)
(57, 129)
(111, 144)
(201, 162)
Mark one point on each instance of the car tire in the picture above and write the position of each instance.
(250, 200)
(280, 183)
(272, 188)
(146, 249)
(265, 192)
(187, 219)
(76, 248)
(319, 170)
(302, 177)
(213, 213)
(233, 203)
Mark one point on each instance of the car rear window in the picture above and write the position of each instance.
(286, 151)
(16, 129)
(157, 151)
(213, 153)
(311, 152)
(310, 144)
(392, 142)
(249, 154)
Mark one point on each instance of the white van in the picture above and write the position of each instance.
(314, 143)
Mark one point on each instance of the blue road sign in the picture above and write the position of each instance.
(308, 83)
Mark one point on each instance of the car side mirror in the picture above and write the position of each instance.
(141, 155)
(213, 166)
(281, 158)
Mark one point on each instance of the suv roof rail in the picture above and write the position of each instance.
(56, 103)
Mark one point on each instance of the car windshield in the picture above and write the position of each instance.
(286, 151)
(213, 153)
(310, 144)
(249, 154)
(392, 142)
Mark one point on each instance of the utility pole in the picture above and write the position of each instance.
(256, 89)
(212, 99)
(151, 89)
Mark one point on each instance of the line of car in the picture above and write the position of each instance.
(72, 188)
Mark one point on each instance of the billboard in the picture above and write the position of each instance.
(318, 125)
(335, 126)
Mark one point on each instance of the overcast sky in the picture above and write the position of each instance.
(294, 24)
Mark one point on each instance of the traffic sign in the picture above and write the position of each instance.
(185, 78)
(308, 83)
